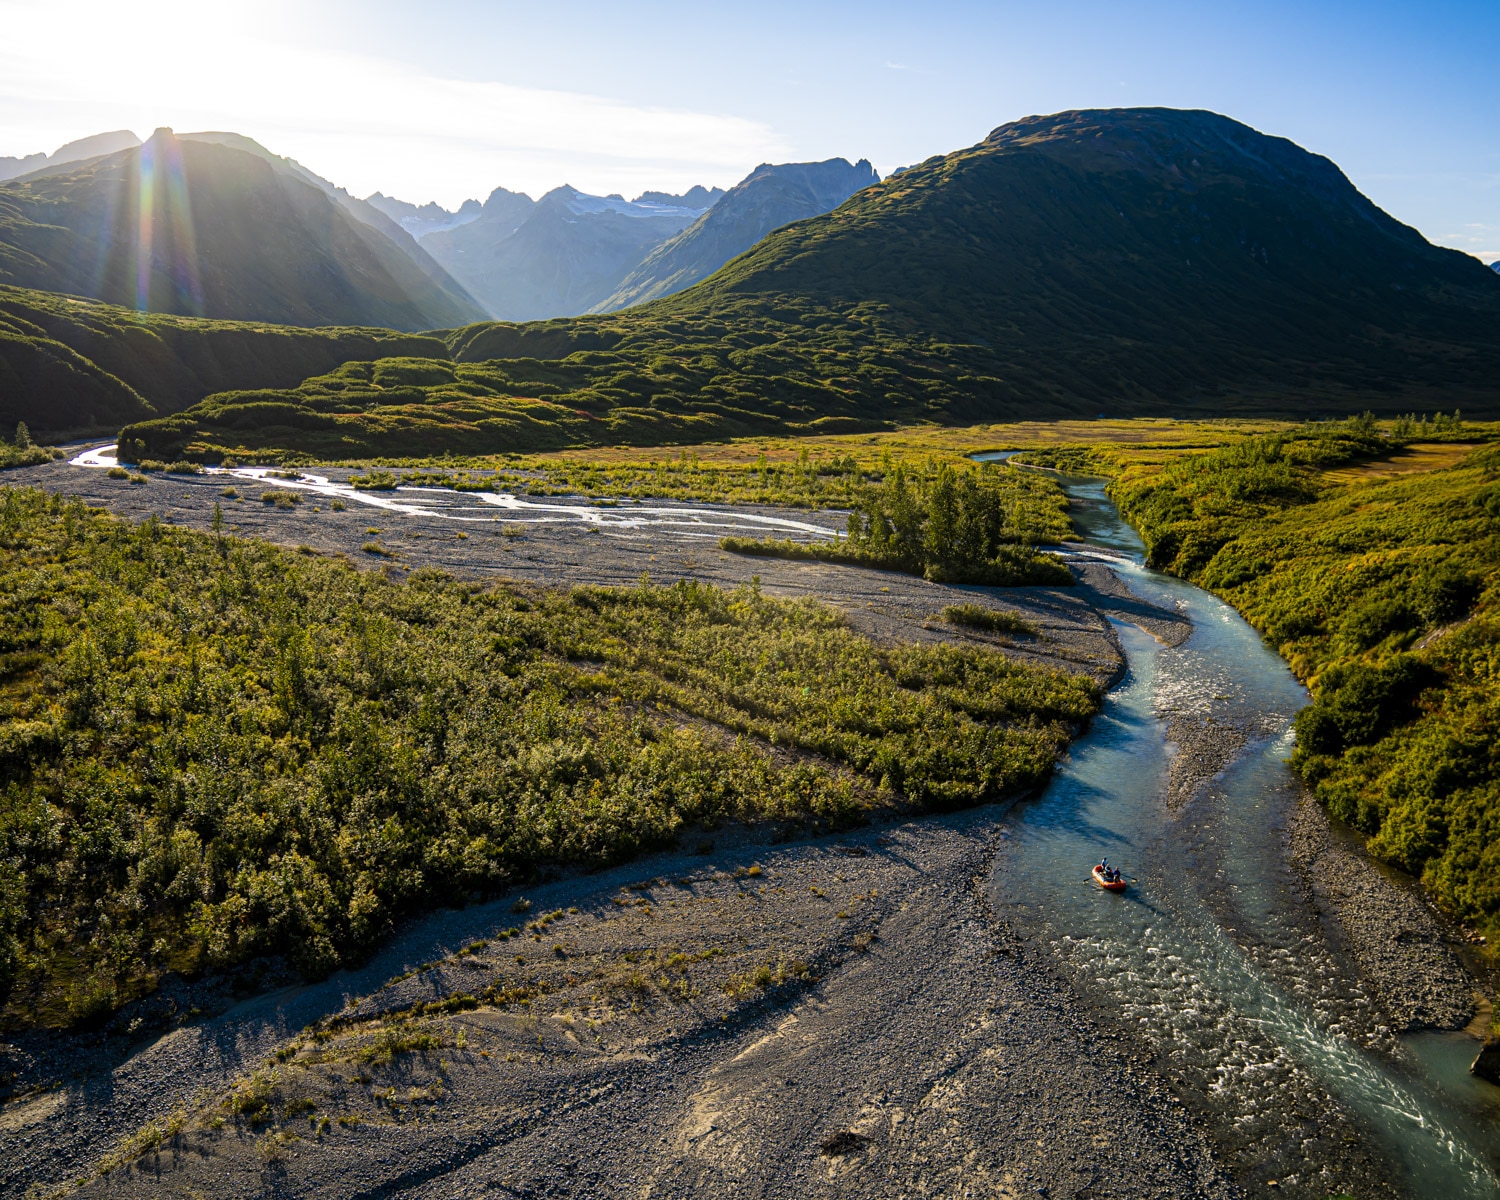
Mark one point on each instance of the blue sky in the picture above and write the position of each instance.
(448, 98)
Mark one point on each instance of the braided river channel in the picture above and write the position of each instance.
(1214, 957)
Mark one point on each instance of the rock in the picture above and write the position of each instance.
(841, 1142)
(1486, 1064)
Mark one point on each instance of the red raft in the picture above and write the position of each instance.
(1109, 885)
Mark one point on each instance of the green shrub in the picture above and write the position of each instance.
(996, 620)
(1351, 578)
(224, 750)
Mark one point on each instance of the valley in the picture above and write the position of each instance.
(586, 696)
(908, 978)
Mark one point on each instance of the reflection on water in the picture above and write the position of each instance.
(1211, 955)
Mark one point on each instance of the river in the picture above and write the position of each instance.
(1212, 956)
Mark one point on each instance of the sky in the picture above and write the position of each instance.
(446, 99)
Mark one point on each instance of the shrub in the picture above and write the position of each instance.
(240, 751)
(997, 620)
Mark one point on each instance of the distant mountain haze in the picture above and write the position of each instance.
(428, 218)
(361, 210)
(233, 232)
(767, 198)
(559, 256)
(83, 148)
(695, 197)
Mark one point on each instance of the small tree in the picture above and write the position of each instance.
(23, 436)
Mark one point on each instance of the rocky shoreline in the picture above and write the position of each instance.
(1404, 949)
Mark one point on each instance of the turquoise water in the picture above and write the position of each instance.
(1212, 955)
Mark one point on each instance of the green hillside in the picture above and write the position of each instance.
(70, 365)
(201, 228)
(1132, 261)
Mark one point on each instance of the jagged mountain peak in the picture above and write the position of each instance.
(772, 195)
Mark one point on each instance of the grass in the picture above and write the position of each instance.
(992, 620)
(215, 750)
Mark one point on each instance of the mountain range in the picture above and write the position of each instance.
(1122, 261)
(769, 197)
(83, 148)
(214, 225)
(570, 252)
(230, 239)
(558, 256)
(428, 218)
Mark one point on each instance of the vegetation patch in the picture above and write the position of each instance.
(954, 526)
(991, 620)
(215, 749)
(23, 452)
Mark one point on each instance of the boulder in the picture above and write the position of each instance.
(1487, 1064)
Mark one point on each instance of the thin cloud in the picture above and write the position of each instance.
(365, 123)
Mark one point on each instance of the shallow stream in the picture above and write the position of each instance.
(1213, 956)
(702, 521)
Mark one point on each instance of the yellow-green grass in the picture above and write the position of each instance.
(215, 749)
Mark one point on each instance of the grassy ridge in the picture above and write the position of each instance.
(641, 379)
(213, 749)
(1380, 589)
(71, 365)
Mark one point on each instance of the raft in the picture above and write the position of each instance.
(1117, 885)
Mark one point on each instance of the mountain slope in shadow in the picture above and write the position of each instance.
(219, 228)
